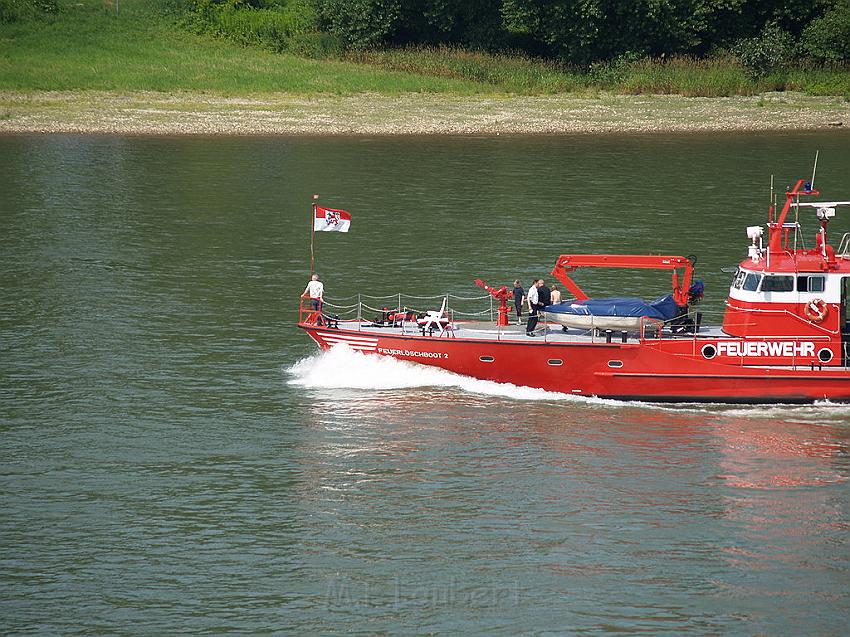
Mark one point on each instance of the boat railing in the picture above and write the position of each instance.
(843, 251)
(784, 312)
(401, 310)
(367, 308)
(651, 328)
(307, 314)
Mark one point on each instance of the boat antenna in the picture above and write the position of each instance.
(815, 169)
(770, 203)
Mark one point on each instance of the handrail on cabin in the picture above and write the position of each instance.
(792, 314)
(843, 251)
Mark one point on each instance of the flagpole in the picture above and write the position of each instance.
(313, 232)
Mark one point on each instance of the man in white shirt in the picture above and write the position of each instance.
(533, 302)
(315, 291)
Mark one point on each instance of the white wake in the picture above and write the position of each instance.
(341, 367)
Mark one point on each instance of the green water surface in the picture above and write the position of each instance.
(169, 467)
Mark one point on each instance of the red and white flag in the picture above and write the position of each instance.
(330, 220)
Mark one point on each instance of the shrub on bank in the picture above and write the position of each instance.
(773, 49)
(827, 39)
(315, 44)
(23, 10)
(272, 27)
(359, 24)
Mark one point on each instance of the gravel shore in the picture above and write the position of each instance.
(409, 114)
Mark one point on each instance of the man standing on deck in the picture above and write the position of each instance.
(533, 305)
(519, 297)
(315, 291)
(544, 294)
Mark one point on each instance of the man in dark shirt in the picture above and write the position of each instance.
(519, 297)
(544, 294)
(539, 296)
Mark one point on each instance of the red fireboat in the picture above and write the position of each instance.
(784, 336)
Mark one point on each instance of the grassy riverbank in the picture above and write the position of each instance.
(87, 69)
(87, 46)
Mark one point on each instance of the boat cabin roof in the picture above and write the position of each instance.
(804, 261)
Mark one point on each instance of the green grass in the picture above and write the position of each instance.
(716, 77)
(819, 81)
(509, 74)
(87, 47)
(686, 76)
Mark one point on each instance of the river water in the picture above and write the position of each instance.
(178, 458)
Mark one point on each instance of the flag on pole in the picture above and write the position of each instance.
(330, 220)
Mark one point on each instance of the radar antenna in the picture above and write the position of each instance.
(815, 169)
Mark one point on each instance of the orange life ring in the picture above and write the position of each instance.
(816, 310)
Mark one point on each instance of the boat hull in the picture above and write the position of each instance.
(652, 371)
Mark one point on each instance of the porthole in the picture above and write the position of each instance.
(555, 362)
(486, 359)
(825, 355)
(709, 351)
(615, 363)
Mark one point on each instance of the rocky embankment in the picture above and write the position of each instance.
(409, 114)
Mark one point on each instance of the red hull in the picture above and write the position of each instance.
(654, 371)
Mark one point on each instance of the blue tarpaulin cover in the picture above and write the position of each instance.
(663, 308)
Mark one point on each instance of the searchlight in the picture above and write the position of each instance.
(754, 234)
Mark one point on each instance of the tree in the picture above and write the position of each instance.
(475, 23)
(582, 31)
(828, 38)
(360, 24)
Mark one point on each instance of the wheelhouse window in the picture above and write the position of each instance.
(811, 283)
(751, 282)
(777, 284)
(738, 279)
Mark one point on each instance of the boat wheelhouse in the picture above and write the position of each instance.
(784, 289)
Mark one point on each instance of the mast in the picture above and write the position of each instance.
(313, 232)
